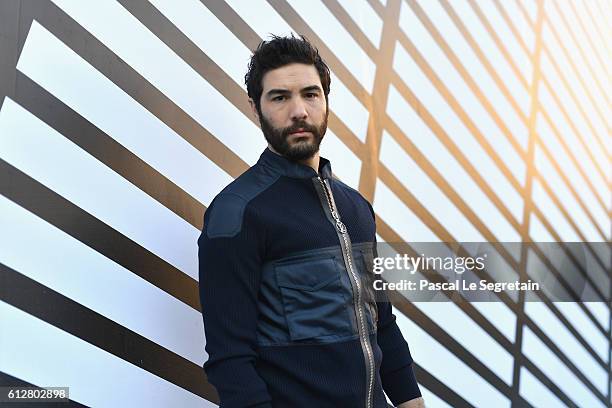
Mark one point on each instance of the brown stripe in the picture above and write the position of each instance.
(406, 308)
(9, 34)
(487, 65)
(585, 61)
(499, 43)
(438, 333)
(58, 211)
(515, 33)
(7, 380)
(505, 16)
(548, 383)
(429, 119)
(377, 119)
(425, 67)
(377, 7)
(353, 29)
(189, 52)
(569, 185)
(490, 69)
(462, 71)
(567, 286)
(570, 154)
(335, 64)
(563, 355)
(132, 83)
(576, 71)
(84, 134)
(467, 307)
(250, 39)
(568, 116)
(436, 386)
(71, 317)
(595, 22)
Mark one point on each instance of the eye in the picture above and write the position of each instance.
(278, 98)
(311, 95)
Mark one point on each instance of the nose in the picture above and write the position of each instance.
(298, 110)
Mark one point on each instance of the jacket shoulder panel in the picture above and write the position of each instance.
(228, 208)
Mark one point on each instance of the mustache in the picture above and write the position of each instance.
(299, 125)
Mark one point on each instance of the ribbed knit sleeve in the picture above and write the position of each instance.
(230, 253)
(396, 371)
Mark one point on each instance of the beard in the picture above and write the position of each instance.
(299, 149)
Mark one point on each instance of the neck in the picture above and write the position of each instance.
(312, 162)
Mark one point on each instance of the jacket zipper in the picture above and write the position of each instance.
(348, 257)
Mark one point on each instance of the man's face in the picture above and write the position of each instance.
(293, 112)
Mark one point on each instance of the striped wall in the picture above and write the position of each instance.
(463, 120)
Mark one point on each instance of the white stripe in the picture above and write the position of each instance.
(500, 315)
(209, 34)
(521, 60)
(400, 217)
(556, 54)
(325, 25)
(464, 96)
(481, 77)
(521, 24)
(536, 393)
(425, 190)
(58, 69)
(601, 312)
(45, 155)
(569, 136)
(457, 131)
(366, 18)
(552, 213)
(148, 55)
(345, 164)
(263, 19)
(348, 108)
(448, 368)
(471, 336)
(556, 21)
(496, 59)
(531, 8)
(585, 46)
(565, 197)
(427, 142)
(67, 266)
(39, 353)
(537, 230)
(556, 371)
(550, 140)
(590, 332)
(553, 289)
(568, 344)
(431, 399)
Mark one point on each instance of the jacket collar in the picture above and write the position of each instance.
(285, 167)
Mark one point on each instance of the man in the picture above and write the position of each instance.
(285, 253)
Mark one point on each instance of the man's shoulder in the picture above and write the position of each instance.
(357, 196)
(353, 192)
(224, 217)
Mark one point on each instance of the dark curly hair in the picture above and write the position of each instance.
(278, 52)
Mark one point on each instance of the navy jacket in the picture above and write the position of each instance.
(290, 319)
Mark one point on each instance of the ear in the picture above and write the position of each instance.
(254, 110)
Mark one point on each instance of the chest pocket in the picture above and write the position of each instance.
(313, 300)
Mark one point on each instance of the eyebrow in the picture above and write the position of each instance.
(286, 91)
